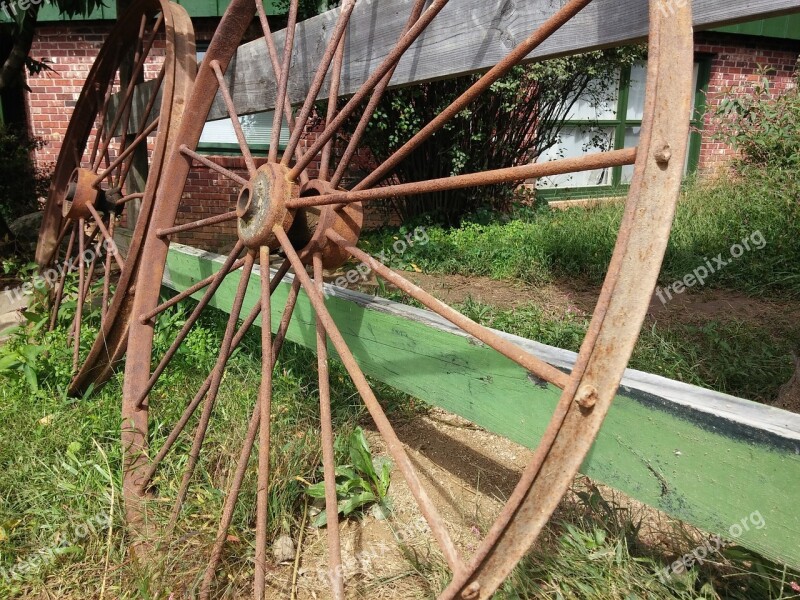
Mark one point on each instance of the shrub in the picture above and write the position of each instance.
(511, 125)
(762, 127)
(21, 182)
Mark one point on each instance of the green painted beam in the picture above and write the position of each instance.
(706, 458)
(786, 27)
(108, 12)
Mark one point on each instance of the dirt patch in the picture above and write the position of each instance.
(563, 297)
(469, 474)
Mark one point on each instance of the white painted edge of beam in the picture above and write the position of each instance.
(776, 421)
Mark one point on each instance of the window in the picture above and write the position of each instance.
(612, 125)
(218, 137)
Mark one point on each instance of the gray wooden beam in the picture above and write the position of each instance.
(467, 36)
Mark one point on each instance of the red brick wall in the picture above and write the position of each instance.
(72, 50)
(735, 68)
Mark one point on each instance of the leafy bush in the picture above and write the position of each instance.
(511, 125)
(763, 127)
(21, 182)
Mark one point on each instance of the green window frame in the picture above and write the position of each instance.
(621, 124)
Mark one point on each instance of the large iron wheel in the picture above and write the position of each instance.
(111, 161)
(276, 202)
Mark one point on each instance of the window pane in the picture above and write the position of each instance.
(631, 141)
(575, 142)
(596, 103)
(636, 92)
(257, 130)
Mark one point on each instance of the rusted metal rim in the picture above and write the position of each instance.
(270, 217)
(75, 190)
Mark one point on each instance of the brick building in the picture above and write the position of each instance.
(727, 60)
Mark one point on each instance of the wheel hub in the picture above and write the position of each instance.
(81, 194)
(262, 205)
(309, 230)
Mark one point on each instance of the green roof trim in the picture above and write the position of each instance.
(49, 13)
(787, 27)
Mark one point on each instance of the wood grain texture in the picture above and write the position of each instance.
(703, 457)
(467, 36)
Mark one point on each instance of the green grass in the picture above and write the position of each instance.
(538, 246)
(60, 482)
(60, 461)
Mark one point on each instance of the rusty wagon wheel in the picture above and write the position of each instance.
(111, 161)
(316, 225)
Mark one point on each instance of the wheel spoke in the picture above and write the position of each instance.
(190, 291)
(333, 97)
(375, 99)
(247, 447)
(508, 349)
(588, 162)
(125, 104)
(319, 77)
(110, 243)
(328, 460)
(237, 126)
(100, 121)
(66, 268)
(95, 255)
(215, 220)
(145, 116)
(107, 272)
(393, 444)
(125, 199)
(248, 322)
(276, 67)
(212, 165)
(283, 80)
(211, 396)
(79, 308)
(355, 101)
(218, 279)
(265, 408)
(127, 152)
(555, 22)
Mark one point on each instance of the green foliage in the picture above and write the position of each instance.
(763, 125)
(306, 8)
(363, 482)
(510, 125)
(545, 245)
(21, 183)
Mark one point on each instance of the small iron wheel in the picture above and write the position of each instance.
(107, 173)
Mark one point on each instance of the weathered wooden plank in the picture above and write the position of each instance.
(704, 457)
(467, 36)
